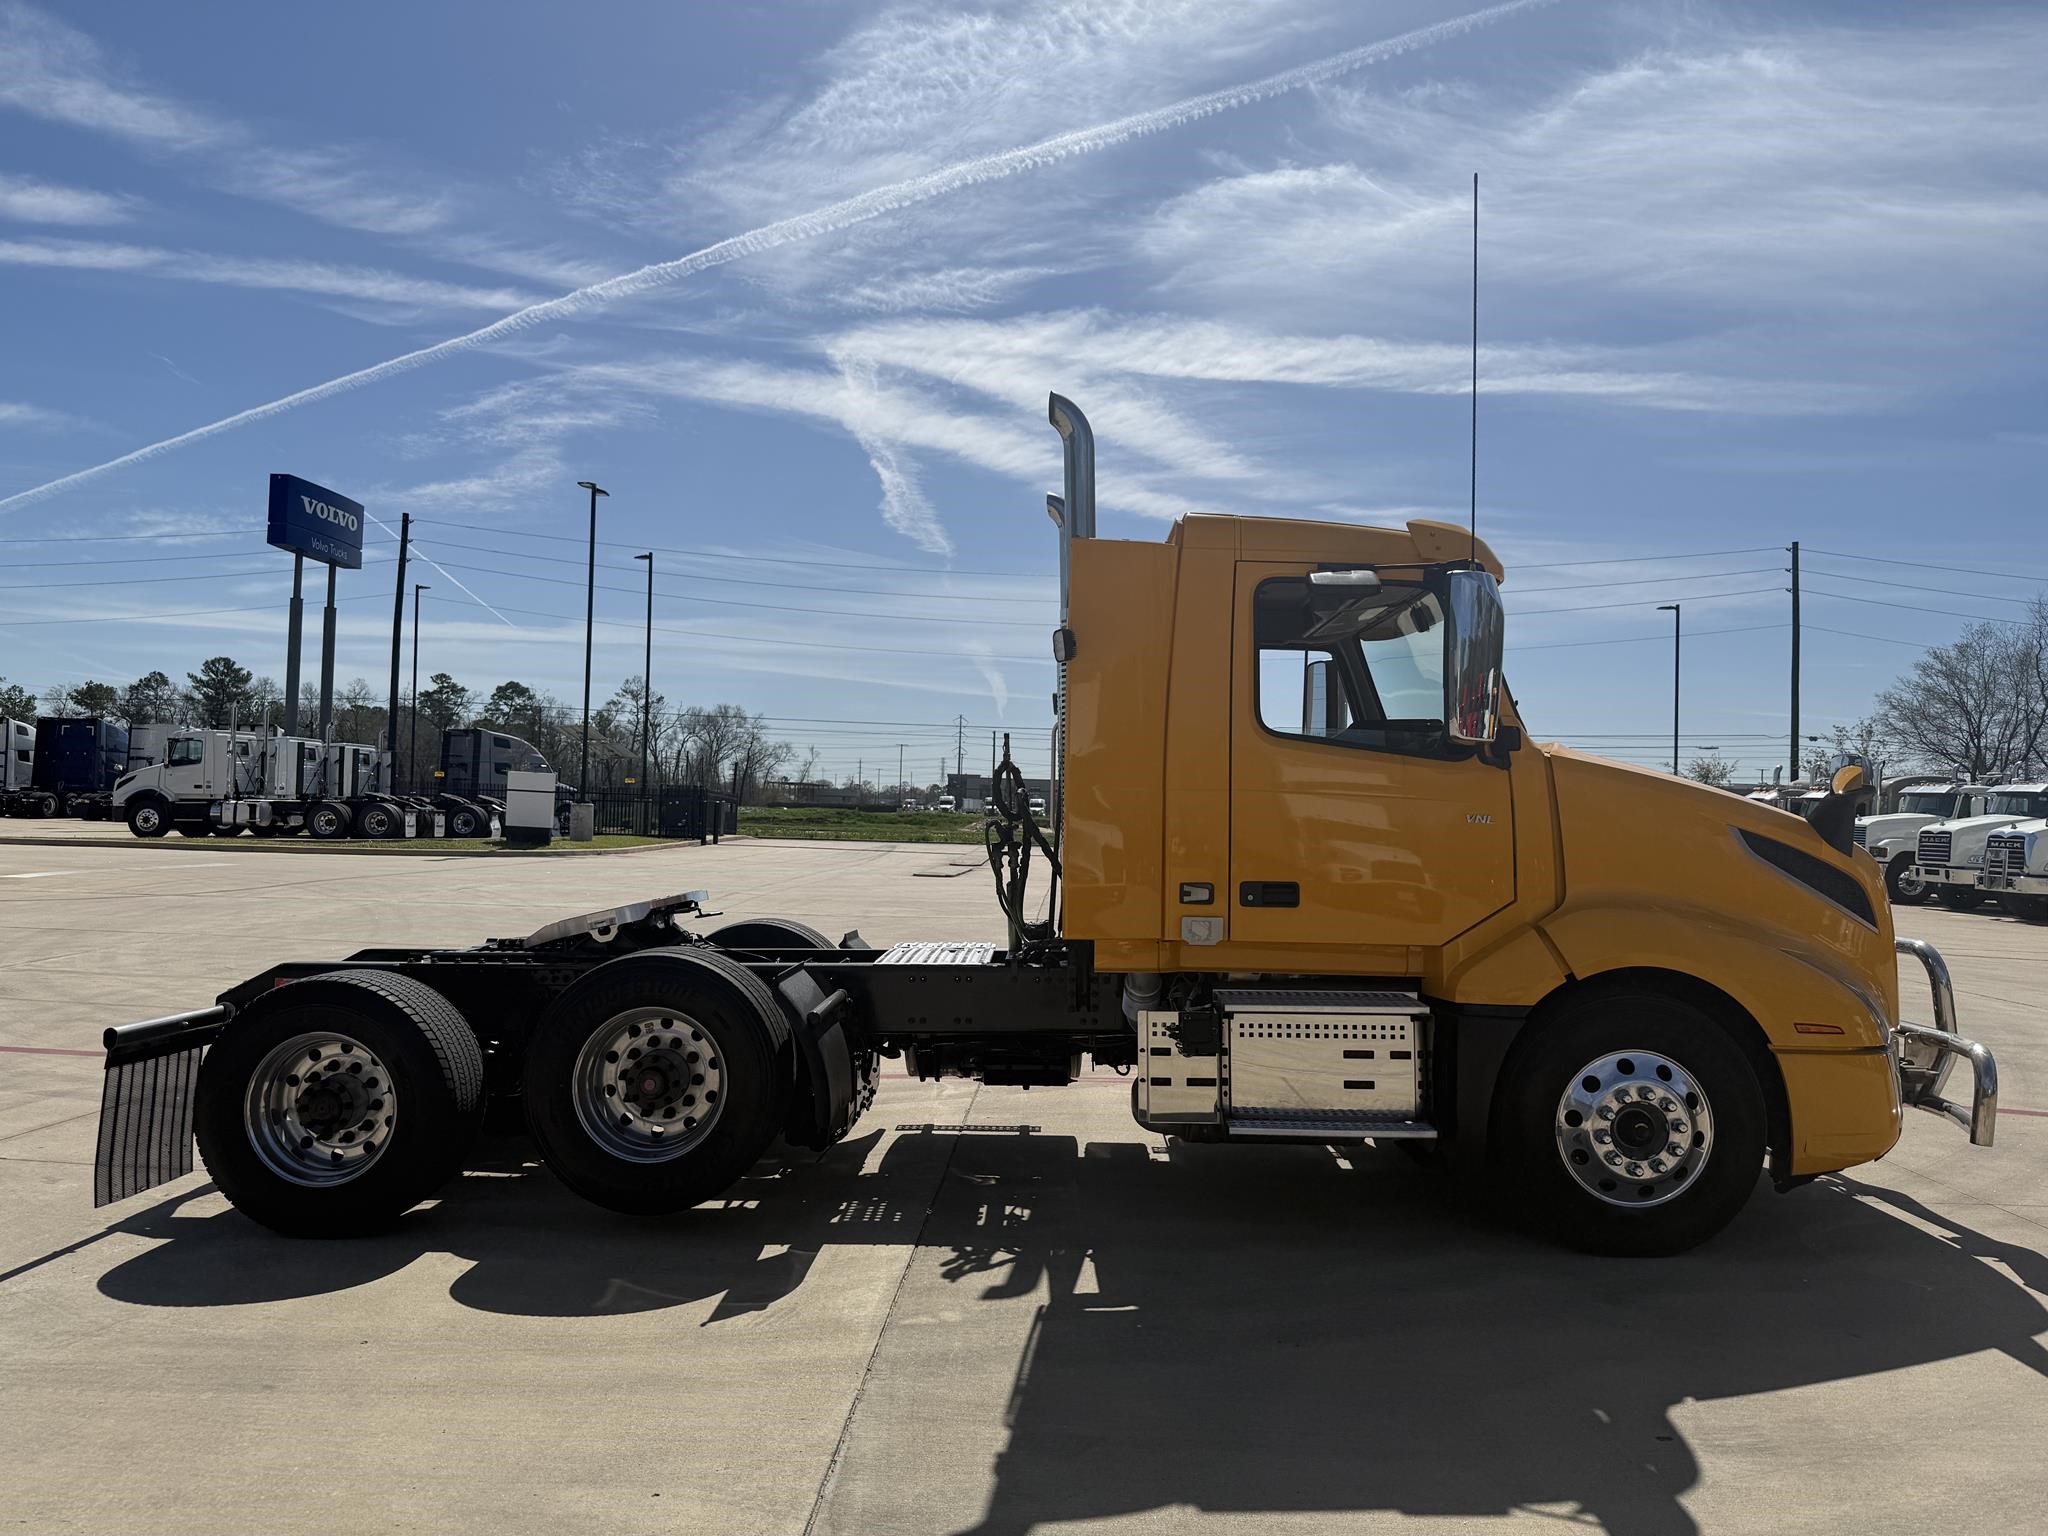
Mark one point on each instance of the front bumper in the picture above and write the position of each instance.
(1923, 1057)
(1947, 874)
(2017, 885)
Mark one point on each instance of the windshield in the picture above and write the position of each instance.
(1939, 804)
(2023, 802)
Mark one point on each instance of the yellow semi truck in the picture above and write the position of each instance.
(1305, 879)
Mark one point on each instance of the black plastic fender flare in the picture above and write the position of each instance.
(828, 1089)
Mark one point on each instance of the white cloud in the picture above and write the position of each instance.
(44, 202)
(363, 283)
(19, 416)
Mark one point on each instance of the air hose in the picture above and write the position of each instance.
(1008, 833)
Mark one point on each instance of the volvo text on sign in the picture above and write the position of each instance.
(311, 520)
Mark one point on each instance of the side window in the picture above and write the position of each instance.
(185, 752)
(1354, 667)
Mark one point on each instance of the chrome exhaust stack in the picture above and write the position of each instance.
(1074, 515)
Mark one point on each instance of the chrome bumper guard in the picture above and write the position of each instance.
(1924, 1056)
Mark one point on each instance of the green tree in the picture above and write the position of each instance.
(445, 702)
(91, 698)
(16, 702)
(220, 692)
(151, 697)
(1711, 768)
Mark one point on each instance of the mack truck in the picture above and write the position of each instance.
(222, 782)
(2016, 869)
(1308, 880)
(1949, 855)
(1893, 839)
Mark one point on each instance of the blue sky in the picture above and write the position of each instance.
(1750, 274)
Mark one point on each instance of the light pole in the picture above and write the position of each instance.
(412, 746)
(1672, 609)
(589, 626)
(647, 678)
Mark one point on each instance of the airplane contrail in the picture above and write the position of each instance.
(421, 554)
(806, 226)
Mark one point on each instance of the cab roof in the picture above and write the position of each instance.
(1422, 542)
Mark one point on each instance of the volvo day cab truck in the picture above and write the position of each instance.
(1893, 839)
(1949, 856)
(223, 782)
(17, 761)
(1310, 882)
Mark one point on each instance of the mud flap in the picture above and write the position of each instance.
(834, 1082)
(145, 1136)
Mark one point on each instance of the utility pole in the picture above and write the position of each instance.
(647, 677)
(291, 660)
(412, 749)
(589, 628)
(1676, 616)
(959, 746)
(1795, 658)
(899, 770)
(397, 633)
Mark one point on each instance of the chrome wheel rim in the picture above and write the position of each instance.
(326, 823)
(1911, 885)
(1634, 1128)
(649, 1084)
(148, 818)
(320, 1109)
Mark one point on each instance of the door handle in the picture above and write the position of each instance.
(1268, 893)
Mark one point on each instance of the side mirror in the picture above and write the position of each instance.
(1315, 699)
(1475, 636)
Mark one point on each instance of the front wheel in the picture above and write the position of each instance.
(148, 818)
(656, 1081)
(1964, 898)
(2032, 908)
(1631, 1123)
(1905, 888)
(332, 1106)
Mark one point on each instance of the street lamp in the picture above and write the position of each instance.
(647, 678)
(589, 627)
(412, 747)
(1672, 609)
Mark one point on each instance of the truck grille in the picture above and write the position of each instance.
(2006, 856)
(1860, 836)
(1934, 849)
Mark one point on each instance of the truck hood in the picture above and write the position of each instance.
(1966, 827)
(1895, 824)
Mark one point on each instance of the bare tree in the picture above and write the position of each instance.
(1980, 704)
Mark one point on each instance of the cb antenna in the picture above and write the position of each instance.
(1475, 369)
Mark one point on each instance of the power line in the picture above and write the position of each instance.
(1917, 586)
(1702, 597)
(1880, 602)
(1562, 645)
(112, 538)
(1647, 581)
(1705, 554)
(143, 618)
(234, 554)
(1928, 565)
(144, 581)
(712, 554)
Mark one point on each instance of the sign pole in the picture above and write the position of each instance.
(327, 663)
(291, 658)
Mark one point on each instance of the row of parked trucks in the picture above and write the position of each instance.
(199, 782)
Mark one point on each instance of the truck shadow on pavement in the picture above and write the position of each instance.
(1262, 1330)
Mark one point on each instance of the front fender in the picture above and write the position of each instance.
(1781, 982)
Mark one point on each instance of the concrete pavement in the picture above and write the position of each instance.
(991, 1310)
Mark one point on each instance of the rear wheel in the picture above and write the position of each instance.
(657, 1080)
(769, 933)
(46, 806)
(335, 1104)
(1963, 898)
(327, 821)
(1900, 883)
(465, 821)
(378, 821)
(1631, 1123)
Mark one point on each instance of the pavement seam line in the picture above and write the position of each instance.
(831, 1474)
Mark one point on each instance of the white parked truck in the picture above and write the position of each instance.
(220, 782)
(17, 757)
(2016, 869)
(1950, 854)
(1893, 839)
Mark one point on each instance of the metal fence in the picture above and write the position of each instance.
(679, 811)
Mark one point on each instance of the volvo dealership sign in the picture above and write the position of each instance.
(320, 524)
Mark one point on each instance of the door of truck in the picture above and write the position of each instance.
(1351, 820)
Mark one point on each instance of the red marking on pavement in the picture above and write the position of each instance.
(47, 1050)
(2038, 1114)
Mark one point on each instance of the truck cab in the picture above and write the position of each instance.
(198, 768)
(17, 760)
(2016, 869)
(1949, 855)
(1893, 838)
